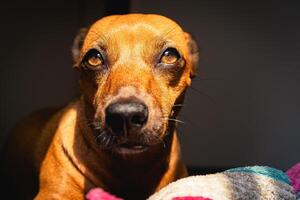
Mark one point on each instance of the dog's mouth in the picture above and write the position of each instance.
(134, 144)
(131, 147)
(128, 140)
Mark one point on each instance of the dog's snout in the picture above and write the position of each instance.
(122, 117)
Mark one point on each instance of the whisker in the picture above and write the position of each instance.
(191, 122)
(100, 138)
(206, 79)
(204, 94)
(175, 120)
(178, 105)
(97, 127)
(157, 138)
(108, 140)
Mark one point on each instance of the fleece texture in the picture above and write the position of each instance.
(294, 175)
(262, 183)
(243, 183)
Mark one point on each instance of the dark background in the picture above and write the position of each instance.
(243, 108)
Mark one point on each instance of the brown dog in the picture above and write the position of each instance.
(120, 135)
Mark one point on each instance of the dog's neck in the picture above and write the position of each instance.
(139, 174)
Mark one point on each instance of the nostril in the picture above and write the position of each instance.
(115, 122)
(138, 120)
(122, 117)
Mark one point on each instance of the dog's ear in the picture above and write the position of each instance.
(77, 45)
(194, 54)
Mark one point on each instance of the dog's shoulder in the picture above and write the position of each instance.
(25, 148)
(33, 134)
(19, 165)
(60, 121)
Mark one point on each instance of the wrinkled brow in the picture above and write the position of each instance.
(159, 36)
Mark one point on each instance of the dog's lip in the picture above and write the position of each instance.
(133, 145)
(131, 148)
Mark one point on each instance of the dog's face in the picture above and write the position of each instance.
(134, 70)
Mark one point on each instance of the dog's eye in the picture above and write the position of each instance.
(170, 56)
(93, 59)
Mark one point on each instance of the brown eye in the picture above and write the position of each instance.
(170, 56)
(93, 59)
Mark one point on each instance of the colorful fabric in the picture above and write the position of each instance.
(99, 194)
(294, 175)
(190, 198)
(241, 183)
(236, 184)
(264, 170)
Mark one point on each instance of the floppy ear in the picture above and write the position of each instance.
(77, 45)
(194, 54)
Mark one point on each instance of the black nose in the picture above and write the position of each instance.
(123, 117)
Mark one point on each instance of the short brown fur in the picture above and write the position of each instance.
(59, 146)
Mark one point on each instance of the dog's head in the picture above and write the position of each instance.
(134, 71)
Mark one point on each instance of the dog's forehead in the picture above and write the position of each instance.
(134, 26)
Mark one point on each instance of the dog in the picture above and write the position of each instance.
(120, 134)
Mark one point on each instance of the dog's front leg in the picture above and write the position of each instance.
(48, 194)
(59, 179)
(59, 187)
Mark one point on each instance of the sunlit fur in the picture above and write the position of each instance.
(132, 50)
(63, 153)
